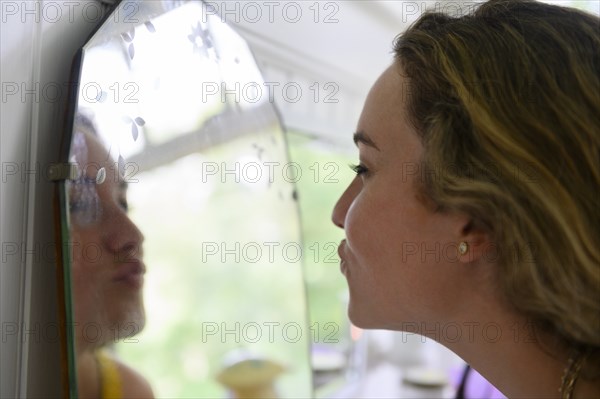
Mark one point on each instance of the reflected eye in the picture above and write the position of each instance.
(123, 203)
(359, 169)
(78, 206)
(84, 204)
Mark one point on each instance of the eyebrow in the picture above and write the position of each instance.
(361, 137)
(123, 185)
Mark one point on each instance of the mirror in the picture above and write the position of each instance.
(180, 216)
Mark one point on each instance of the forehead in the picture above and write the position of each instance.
(388, 89)
(384, 115)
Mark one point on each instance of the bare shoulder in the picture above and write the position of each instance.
(134, 385)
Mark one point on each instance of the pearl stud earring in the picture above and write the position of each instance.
(463, 248)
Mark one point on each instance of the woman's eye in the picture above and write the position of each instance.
(123, 203)
(77, 206)
(86, 211)
(359, 169)
(83, 198)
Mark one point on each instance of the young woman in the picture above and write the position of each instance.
(107, 270)
(474, 218)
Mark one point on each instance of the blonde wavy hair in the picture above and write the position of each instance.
(507, 98)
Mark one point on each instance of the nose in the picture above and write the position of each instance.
(122, 236)
(343, 204)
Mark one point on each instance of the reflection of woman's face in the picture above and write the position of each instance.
(107, 266)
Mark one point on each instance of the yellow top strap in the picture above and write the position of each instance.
(110, 380)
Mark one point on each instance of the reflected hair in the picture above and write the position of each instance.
(507, 98)
(83, 120)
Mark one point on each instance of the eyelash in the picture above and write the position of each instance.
(124, 204)
(359, 169)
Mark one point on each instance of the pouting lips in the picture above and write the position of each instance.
(131, 273)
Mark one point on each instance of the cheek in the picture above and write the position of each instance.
(358, 225)
(374, 228)
(86, 267)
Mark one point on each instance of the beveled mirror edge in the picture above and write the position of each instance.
(63, 258)
(301, 233)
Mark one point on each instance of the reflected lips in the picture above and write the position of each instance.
(131, 273)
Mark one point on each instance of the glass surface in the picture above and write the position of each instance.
(337, 354)
(184, 234)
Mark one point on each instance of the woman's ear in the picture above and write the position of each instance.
(474, 243)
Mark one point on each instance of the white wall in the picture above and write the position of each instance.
(38, 42)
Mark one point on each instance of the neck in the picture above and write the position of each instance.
(515, 357)
(88, 373)
(514, 360)
(88, 378)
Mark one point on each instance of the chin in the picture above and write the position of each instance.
(129, 322)
(362, 318)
